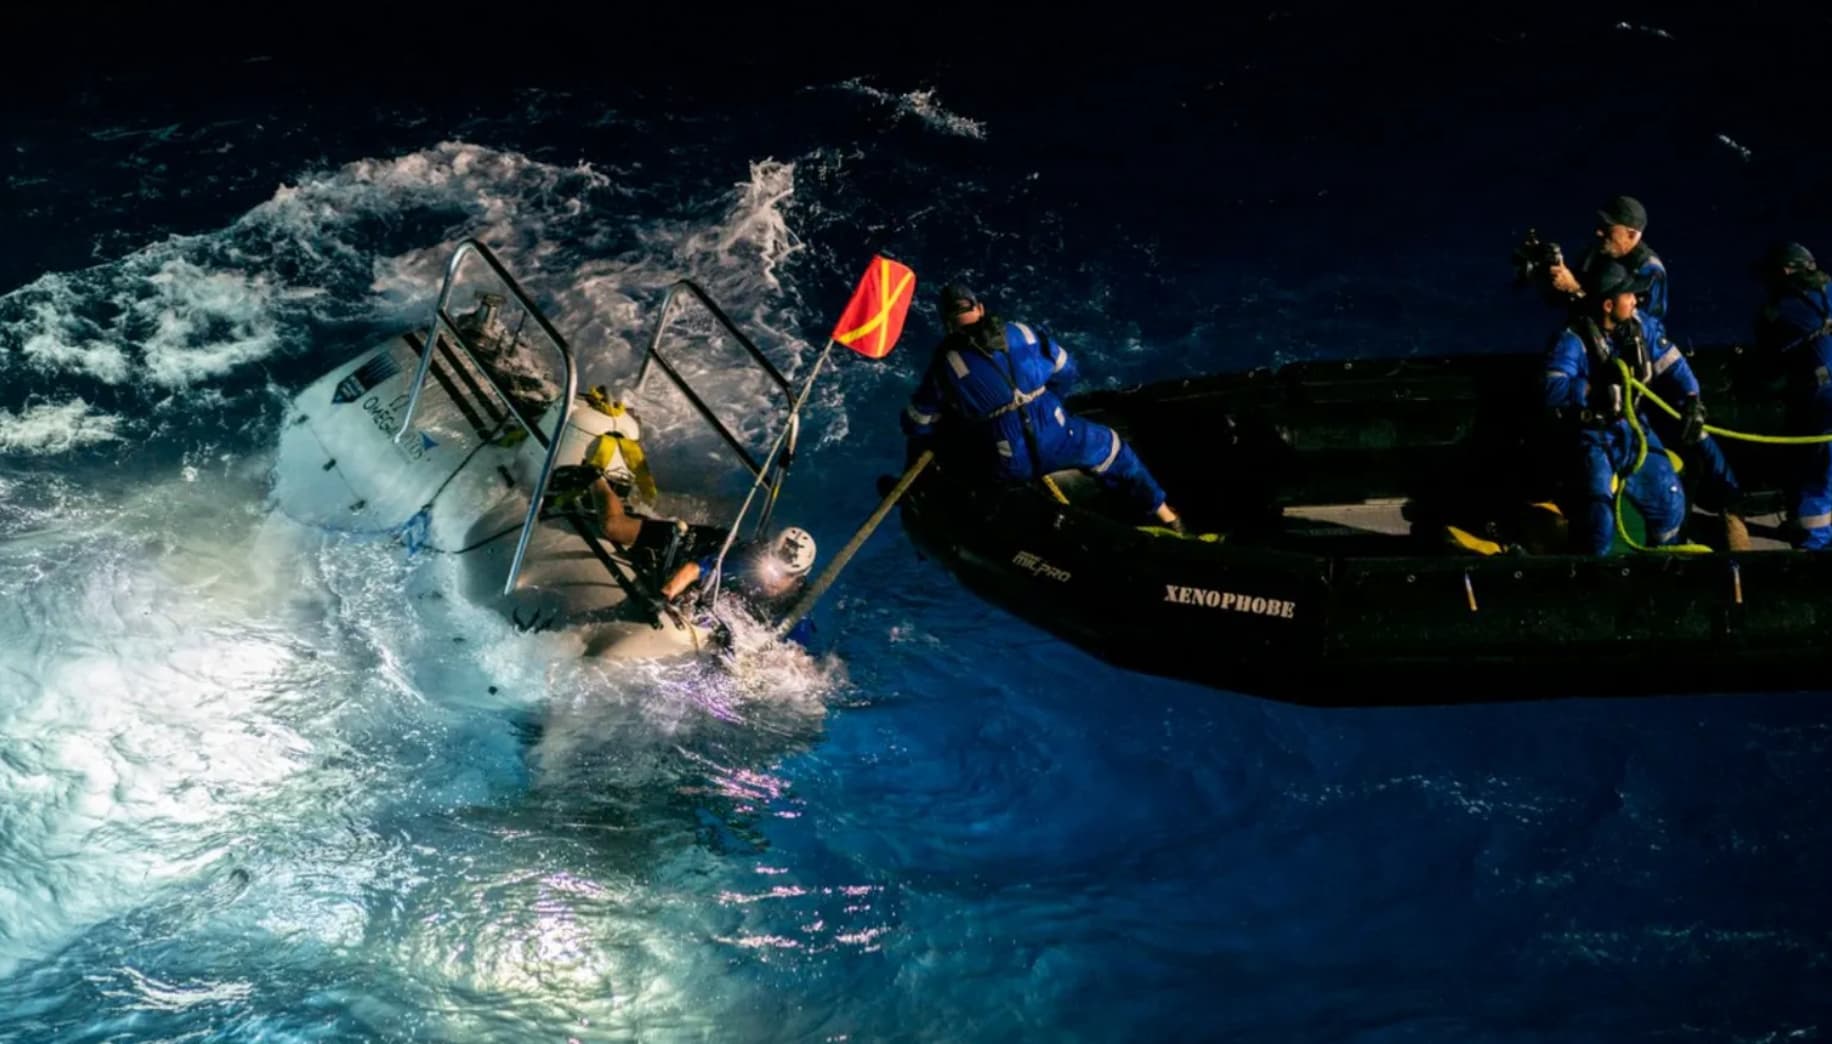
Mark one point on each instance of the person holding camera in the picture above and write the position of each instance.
(1584, 393)
(1621, 224)
(1715, 486)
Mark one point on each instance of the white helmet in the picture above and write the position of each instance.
(793, 548)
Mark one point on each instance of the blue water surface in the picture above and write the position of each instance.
(263, 783)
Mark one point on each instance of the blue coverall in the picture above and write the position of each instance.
(1606, 451)
(1643, 263)
(1001, 399)
(1798, 326)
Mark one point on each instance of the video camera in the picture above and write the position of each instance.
(1533, 258)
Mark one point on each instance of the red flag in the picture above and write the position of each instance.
(873, 319)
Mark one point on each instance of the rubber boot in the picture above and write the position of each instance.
(1736, 534)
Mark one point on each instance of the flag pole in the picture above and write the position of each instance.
(711, 584)
(887, 324)
(819, 587)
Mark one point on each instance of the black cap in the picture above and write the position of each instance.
(957, 298)
(1611, 279)
(1624, 210)
(1783, 257)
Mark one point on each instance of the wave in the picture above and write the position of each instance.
(214, 691)
(349, 252)
(923, 105)
(53, 428)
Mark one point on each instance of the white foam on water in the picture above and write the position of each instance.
(137, 721)
(923, 105)
(607, 307)
(207, 685)
(738, 260)
(161, 317)
(205, 323)
(186, 311)
(638, 724)
(50, 428)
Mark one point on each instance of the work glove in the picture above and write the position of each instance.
(1692, 423)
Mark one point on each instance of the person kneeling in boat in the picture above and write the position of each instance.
(1584, 390)
(769, 579)
(992, 394)
(1715, 486)
(1794, 337)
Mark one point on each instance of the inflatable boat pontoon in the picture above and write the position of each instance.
(1383, 539)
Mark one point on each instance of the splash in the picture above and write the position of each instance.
(207, 731)
(192, 309)
(139, 717)
(721, 717)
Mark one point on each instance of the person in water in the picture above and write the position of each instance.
(991, 402)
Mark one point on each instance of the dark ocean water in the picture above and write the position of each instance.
(261, 784)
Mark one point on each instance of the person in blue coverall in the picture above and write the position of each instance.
(768, 579)
(991, 400)
(1621, 224)
(1715, 486)
(1794, 333)
(1583, 389)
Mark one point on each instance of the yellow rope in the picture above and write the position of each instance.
(1743, 436)
(1641, 456)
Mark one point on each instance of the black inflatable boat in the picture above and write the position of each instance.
(1384, 539)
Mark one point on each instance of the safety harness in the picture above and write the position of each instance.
(1019, 398)
(1821, 375)
(1602, 361)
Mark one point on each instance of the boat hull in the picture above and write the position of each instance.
(1359, 614)
(459, 483)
